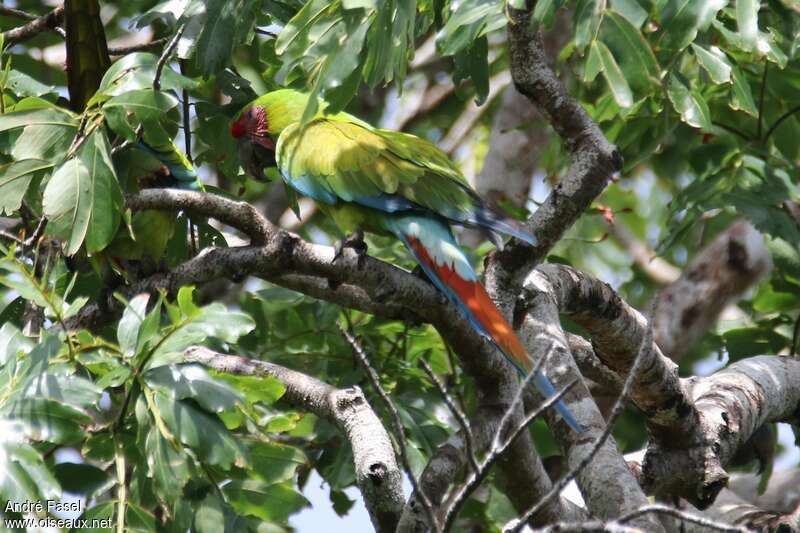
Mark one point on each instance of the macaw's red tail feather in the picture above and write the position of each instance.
(470, 293)
(432, 243)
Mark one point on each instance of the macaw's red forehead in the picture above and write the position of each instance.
(238, 128)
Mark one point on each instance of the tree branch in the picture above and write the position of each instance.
(48, 22)
(717, 276)
(617, 330)
(594, 160)
(732, 403)
(397, 423)
(377, 473)
(608, 471)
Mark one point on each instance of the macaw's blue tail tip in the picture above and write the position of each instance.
(568, 417)
(547, 390)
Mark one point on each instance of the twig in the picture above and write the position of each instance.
(457, 413)
(187, 126)
(48, 22)
(397, 424)
(165, 55)
(657, 508)
(141, 47)
(31, 241)
(497, 450)
(266, 32)
(780, 120)
(618, 525)
(11, 12)
(761, 99)
(517, 524)
(10, 236)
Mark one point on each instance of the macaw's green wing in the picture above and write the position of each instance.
(422, 152)
(331, 160)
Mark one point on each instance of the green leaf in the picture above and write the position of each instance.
(714, 62)
(12, 342)
(25, 477)
(70, 389)
(613, 75)
(681, 20)
(147, 105)
(588, 17)
(46, 133)
(12, 313)
(83, 479)
(742, 98)
(473, 64)
(138, 519)
(470, 20)
(168, 466)
(46, 420)
(266, 389)
(214, 321)
(114, 377)
(594, 64)
(631, 10)
(747, 20)
(228, 23)
(210, 516)
(83, 200)
(272, 462)
(136, 71)
(746, 342)
(131, 322)
(21, 84)
(193, 381)
(632, 52)
(200, 431)
(15, 177)
(688, 103)
(545, 11)
(37, 117)
(273, 503)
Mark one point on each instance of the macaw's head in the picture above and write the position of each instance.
(258, 125)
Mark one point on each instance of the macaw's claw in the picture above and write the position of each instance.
(355, 241)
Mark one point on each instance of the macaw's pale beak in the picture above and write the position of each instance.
(256, 157)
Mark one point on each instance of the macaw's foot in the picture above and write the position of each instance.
(355, 241)
(420, 273)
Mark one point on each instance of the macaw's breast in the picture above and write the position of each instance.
(350, 217)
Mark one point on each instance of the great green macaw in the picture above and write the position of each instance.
(388, 183)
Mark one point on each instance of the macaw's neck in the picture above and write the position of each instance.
(350, 217)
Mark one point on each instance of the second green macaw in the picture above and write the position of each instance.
(389, 183)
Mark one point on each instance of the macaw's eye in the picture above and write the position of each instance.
(250, 115)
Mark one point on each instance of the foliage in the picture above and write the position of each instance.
(700, 97)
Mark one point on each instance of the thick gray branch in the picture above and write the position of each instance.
(607, 484)
(735, 261)
(617, 331)
(377, 473)
(732, 404)
(594, 159)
